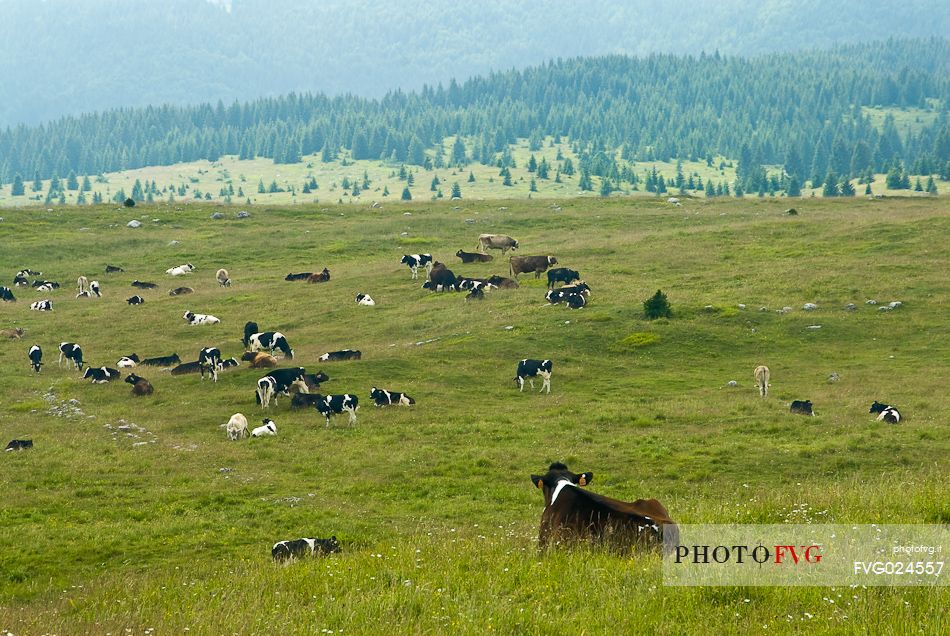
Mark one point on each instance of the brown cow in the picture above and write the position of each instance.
(503, 283)
(575, 515)
(140, 386)
(322, 277)
(14, 334)
(260, 360)
(496, 242)
(473, 257)
(525, 264)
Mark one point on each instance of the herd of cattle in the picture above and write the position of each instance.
(571, 512)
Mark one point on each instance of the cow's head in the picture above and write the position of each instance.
(514, 244)
(558, 473)
(877, 407)
(132, 378)
(552, 260)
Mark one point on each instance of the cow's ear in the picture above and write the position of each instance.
(585, 478)
(537, 481)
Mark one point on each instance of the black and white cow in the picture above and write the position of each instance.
(200, 319)
(801, 407)
(576, 301)
(476, 294)
(556, 296)
(365, 300)
(886, 412)
(45, 284)
(382, 397)
(128, 362)
(95, 289)
(250, 328)
(563, 275)
(71, 352)
(112, 269)
(415, 261)
(343, 354)
(297, 548)
(279, 381)
(209, 358)
(135, 300)
(335, 404)
(6, 295)
(230, 363)
(20, 280)
(42, 305)
(268, 428)
(270, 341)
(19, 444)
(531, 369)
(101, 375)
(36, 358)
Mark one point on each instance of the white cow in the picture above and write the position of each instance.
(761, 375)
(269, 428)
(187, 268)
(237, 426)
(200, 319)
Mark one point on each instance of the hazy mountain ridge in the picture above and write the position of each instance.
(60, 57)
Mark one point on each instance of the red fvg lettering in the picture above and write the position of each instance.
(810, 554)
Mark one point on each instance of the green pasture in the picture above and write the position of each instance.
(165, 526)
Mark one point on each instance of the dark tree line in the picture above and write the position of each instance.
(802, 110)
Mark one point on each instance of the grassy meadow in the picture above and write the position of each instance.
(165, 526)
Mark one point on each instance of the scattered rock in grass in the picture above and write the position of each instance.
(404, 234)
(870, 302)
(885, 308)
(763, 308)
(740, 306)
(791, 212)
(243, 214)
(173, 243)
(376, 205)
(217, 215)
(134, 223)
(850, 307)
(509, 327)
(470, 221)
(809, 306)
(813, 327)
(834, 377)
(895, 304)
(732, 383)
(225, 470)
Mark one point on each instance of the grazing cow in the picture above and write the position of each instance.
(496, 242)
(135, 300)
(14, 334)
(237, 427)
(180, 291)
(113, 269)
(322, 277)
(82, 283)
(415, 261)
(298, 548)
(531, 369)
(314, 380)
(143, 285)
(574, 515)
(42, 305)
(250, 328)
(21, 281)
(279, 381)
(343, 354)
(200, 319)
(140, 386)
(19, 444)
(47, 285)
(259, 360)
(761, 375)
(563, 275)
(271, 341)
(365, 299)
(268, 428)
(299, 276)
(476, 294)
(441, 278)
(187, 268)
(163, 361)
(473, 257)
(525, 264)
(382, 397)
(502, 283)
(337, 404)
(223, 277)
(801, 407)
(71, 352)
(29, 272)
(6, 295)
(887, 413)
(36, 358)
(187, 367)
(101, 375)
(128, 362)
(95, 289)
(209, 359)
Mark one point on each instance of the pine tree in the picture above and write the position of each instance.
(17, 188)
(260, 187)
(456, 191)
(918, 186)
(386, 191)
(435, 183)
(458, 152)
(81, 198)
(507, 179)
(710, 190)
(845, 187)
(532, 164)
(72, 183)
(410, 179)
(931, 185)
(794, 188)
(568, 167)
(867, 189)
(605, 187)
(471, 177)
(585, 183)
(533, 186)
(86, 185)
(37, 182)
(406, 195)
(657, 306)
(830, 188)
